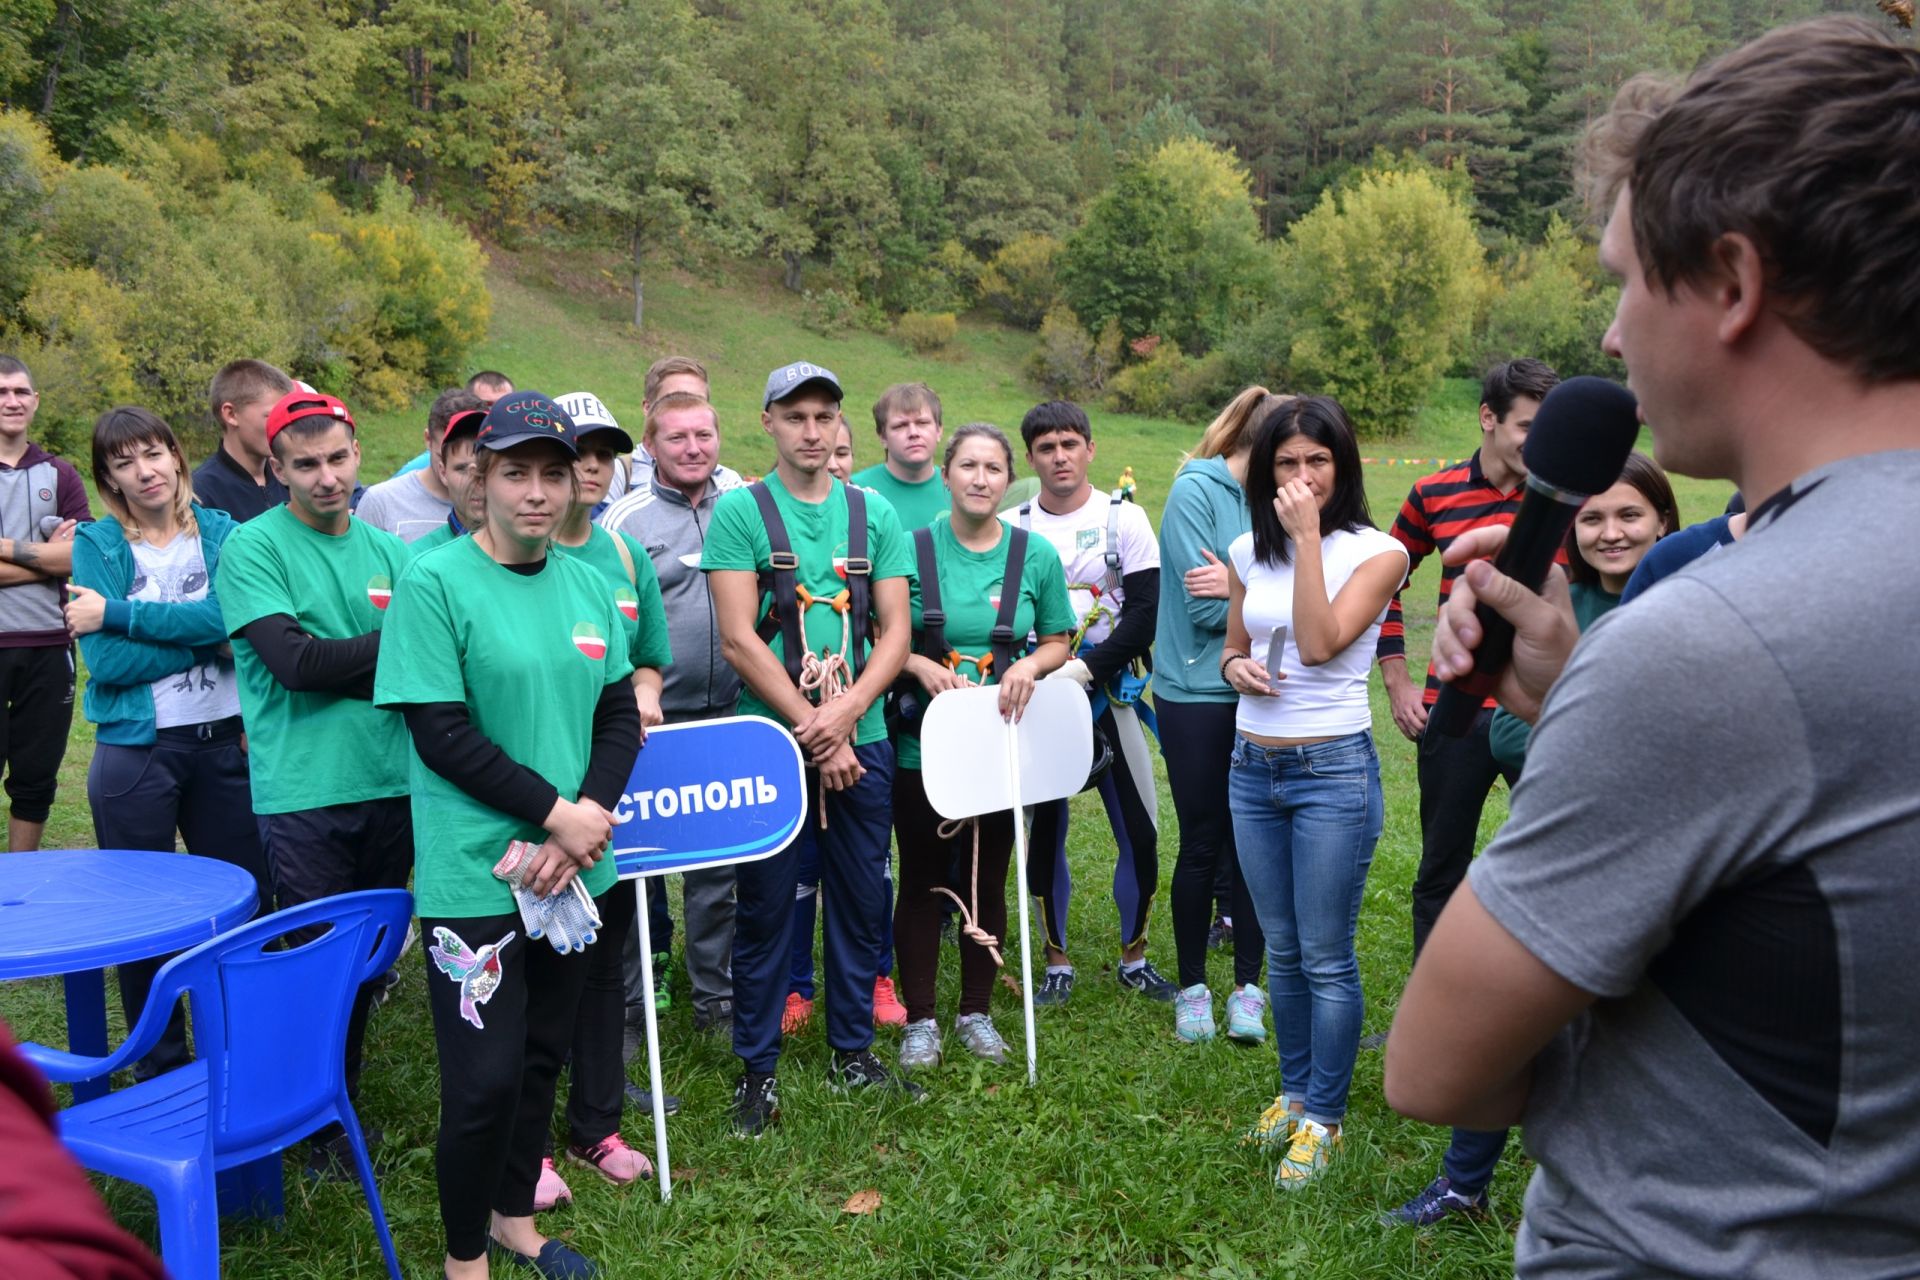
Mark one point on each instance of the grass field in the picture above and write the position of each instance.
(1123, 1162)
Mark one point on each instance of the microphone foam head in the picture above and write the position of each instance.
(1581, 436)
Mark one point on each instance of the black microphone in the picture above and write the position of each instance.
(1577, 447)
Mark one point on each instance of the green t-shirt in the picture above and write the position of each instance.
(818, 531)
(311, 750)
(915, 504)
(438, 538)
(637, 597)
(528, 655)
(970, 597)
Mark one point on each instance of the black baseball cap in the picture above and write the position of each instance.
(523, 416)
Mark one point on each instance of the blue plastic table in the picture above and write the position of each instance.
(70, 913)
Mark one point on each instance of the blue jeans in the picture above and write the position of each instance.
(1305, 821)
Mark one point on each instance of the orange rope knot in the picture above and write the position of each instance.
(982, 665)
(969, 919)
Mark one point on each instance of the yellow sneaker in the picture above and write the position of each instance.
(1274, 1128)
(1313, 1145)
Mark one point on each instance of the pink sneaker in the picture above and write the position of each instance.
(887, 1009)
(614, 1160)
(551, 1189)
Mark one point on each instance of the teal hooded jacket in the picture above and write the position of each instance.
(1205, 508)
(141, 641)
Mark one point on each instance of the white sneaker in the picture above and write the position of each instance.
(1246, 1015)
(982, 1038)
(920, 1045)
(1193, 1013)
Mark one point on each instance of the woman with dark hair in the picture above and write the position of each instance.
(963, 564)
(509, 663)
(169, 755)
(1307, 589)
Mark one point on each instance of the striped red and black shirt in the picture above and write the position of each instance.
(1440, 508)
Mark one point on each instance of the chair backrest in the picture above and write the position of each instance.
(271, 1025)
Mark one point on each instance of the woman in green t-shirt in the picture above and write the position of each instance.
(511, 668)
(970, 551)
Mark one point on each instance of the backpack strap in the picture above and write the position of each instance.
(1113, 540)
(626, 558)
(1003, 638)
(1026, 515)
(933, 624)
(859, 578)
(777, 580)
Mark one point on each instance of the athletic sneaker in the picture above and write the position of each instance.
(640, 1098)
(1220, 936)
(551, 1189)
(862, 1070)
(1148, 981)
(1313, 1145)
(384, 987)
(1055, 987)
(1193, 1014)
(1274, 1128)
(982, 1038)
(796, 1016)
(887, 1009)
(1437, 1202)
(920, 1045)
(756, 1104)
(715, 1020)
(613, 1160)
(1246, 1015)
(662, 981)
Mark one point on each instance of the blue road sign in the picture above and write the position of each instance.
(709, 794)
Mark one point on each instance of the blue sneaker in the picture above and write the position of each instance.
(1246, 1015)
(1437, 1202)
(1056, 987)
(1193, 1014)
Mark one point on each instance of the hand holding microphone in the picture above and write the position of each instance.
(1507, 627)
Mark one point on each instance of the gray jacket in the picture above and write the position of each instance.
(674, 531)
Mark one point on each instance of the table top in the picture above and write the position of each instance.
(66, 910)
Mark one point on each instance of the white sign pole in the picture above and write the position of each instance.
(1026, 952)
(662, 1170)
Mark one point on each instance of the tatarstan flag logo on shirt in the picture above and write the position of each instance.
(588, 640)
(628, 604)
(380, 590)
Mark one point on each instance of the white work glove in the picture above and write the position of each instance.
(567, 919)
(1074, 669)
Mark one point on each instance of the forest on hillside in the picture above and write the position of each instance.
(1176, 195)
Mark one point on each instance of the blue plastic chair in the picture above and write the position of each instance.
(270, 1034)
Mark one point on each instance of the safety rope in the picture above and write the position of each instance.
(970, 919)
(826, 674)
(1097, 612)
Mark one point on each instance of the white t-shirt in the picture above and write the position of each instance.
(177, 574)
(1313, 702)
(1080, 538)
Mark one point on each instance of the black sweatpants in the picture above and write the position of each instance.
(599, 1032)
(318, 853)
(1196, 741)
(192, 780)
(36, 716)
(929, 863)
(500, 1051)
(1456, 774)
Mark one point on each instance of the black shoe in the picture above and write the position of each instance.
(862, 1070)
(1220, 936)
(1148, 982)
(1055, 988)
(555, 1261)
(640, 1098)
(330, 1155)
(715, 1020)
(383, 989)
(756, 1104)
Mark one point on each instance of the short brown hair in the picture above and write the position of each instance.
(490, 378)
(665, 367)
(678, 400)
(899, 398)
(1801, 140)
(122, 430)
(445, 405)
(243, 382)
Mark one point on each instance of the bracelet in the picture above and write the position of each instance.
(1230, 656)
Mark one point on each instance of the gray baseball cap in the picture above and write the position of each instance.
(787, 380)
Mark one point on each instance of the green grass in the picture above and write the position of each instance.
(1123, 1162)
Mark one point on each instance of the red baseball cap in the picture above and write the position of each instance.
(298, 404)
(465, 423)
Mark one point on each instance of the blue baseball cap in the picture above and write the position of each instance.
(523, 416)
(786, 382)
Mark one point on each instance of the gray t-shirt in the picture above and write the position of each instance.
(1718, 832)
(403, 507)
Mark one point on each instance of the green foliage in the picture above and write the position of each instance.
(925, 332)
(832, 312)
(1021, 283)
(73, 319)
(1069, 363)
(1554, 307)
(1380, 285)
(1148, 386)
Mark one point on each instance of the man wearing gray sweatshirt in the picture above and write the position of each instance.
(668, 515)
